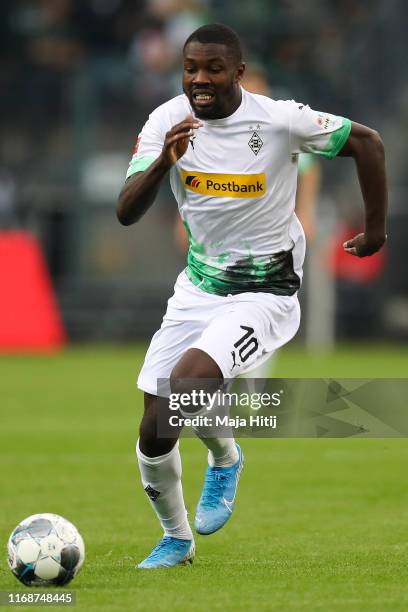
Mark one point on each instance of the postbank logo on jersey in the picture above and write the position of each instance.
(225, 185)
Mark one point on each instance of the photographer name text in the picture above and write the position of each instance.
(236, 422)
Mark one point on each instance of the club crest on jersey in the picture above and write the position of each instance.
(225, 185)
(255, 142)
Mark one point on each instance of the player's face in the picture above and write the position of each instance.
(211, 80)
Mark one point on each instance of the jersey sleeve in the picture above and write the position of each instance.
(317, 132)
(148, 145)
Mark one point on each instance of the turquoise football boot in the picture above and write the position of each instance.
(168, 553)
(217, 499)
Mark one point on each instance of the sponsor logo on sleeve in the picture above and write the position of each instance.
(225, 185)
(326, 121)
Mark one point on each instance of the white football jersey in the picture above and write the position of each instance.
(236, 187)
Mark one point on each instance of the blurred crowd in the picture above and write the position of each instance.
(101, 65)
(132, 48)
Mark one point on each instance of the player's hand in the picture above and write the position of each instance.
(363, 245)
(177, 139)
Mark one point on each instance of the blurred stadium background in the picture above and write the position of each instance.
(78, 79)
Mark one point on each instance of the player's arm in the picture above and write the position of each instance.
(140, 190)
(367, 149)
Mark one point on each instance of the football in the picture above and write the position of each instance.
(45, 549)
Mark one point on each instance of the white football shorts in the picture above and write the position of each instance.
(239, 332)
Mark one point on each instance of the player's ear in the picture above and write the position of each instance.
(240, 72)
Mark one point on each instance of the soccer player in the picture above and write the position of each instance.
(232, 160)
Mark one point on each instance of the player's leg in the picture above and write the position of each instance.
(160, 469)
(196, 365)
(196, 371)
(239, 339)
(159, 458)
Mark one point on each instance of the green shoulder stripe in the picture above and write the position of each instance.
(139, 164)
(337, 140)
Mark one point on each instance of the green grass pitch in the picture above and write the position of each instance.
(319, 524)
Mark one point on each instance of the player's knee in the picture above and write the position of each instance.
(195, 364)
(150, 443)
(195, 371)
(148, 435)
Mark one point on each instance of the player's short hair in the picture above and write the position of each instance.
(220, 34)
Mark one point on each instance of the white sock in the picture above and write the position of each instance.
(161, 479)
(222, 452)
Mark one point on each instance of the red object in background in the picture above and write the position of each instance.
(29, 314)
(345, 266)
